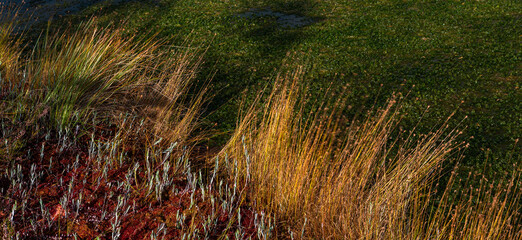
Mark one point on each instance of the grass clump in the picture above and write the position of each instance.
(76, 74)
(328, 178)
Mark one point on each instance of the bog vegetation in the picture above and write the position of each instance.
(99, 139)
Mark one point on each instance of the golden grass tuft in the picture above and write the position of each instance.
(328, 179)
(78, 73)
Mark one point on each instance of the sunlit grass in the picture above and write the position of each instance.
(73, 74)
(96, 137)
(327, 178)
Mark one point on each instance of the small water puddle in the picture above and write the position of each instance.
(283, 20)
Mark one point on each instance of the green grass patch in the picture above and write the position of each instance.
(449, 54)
